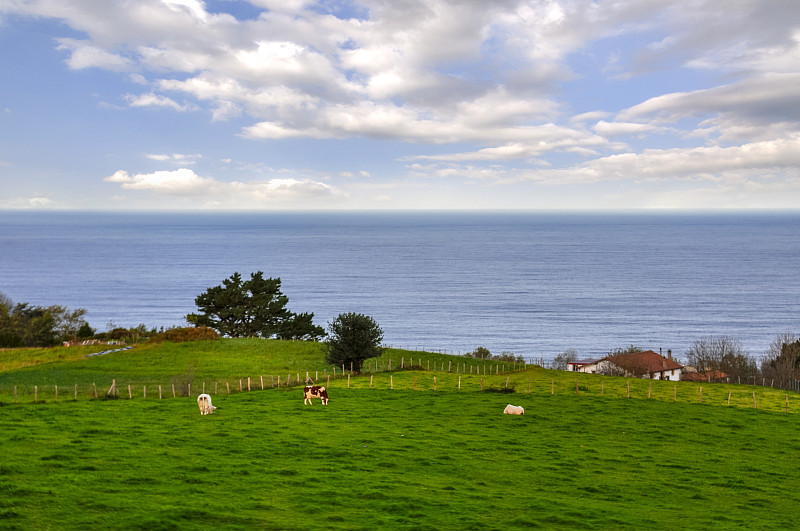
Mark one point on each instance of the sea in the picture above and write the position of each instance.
(534, 284)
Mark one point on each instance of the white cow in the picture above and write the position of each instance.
(514, 410)
(204, 401)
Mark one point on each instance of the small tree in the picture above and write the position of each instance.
(561, 361)
(353, 338)
(781, 361)
(712, 354)
(481, 353)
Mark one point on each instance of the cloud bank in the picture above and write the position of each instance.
(494, 91)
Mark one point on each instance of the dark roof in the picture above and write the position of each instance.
(582, 362)
(644, 362)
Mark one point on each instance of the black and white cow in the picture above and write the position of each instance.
(315, 391)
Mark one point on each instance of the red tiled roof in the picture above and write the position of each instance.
(644, 362)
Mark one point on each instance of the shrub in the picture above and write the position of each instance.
(199, 333)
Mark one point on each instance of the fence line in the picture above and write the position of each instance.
(434, 383)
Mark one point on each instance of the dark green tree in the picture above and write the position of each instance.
(353, 338)
(481, 353)
(23, 325)
(252, 308)
(301, 327)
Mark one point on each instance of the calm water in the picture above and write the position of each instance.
(531, 283)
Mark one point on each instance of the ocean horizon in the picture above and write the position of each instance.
(531, 283)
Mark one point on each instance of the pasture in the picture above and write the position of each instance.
(382, 458)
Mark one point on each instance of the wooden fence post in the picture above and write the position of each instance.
(434, 383)
(228, 385)
(754, 400)
(204, 387)
(552, 387)
(370, 380)
(248, 383)
(262, 383)
(459, 385)
(15, 394)
(35, 393)
(144, 391)
(348, 381)
(629, 388)
(329, 380)
(94, 389)
(729, 397)
(130, 394)
(391, 381)
(701, 394)
(650, 389)
(189, 389)
(56, 399)
(159, 391)
(576, 387)
(76, 391)
(173, 390)
(602, 385)
(241, 387)
(481, 383)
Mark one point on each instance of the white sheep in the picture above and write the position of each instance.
(514, 410)
(204, 401)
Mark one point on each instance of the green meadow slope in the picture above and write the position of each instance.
(389, 452)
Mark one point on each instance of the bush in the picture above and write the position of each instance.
(199, 333)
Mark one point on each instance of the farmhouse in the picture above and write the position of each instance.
(588, 366)
(647, 364)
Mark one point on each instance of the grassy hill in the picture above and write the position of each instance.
(383, 455)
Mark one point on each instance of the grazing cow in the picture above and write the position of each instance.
(513, 410)
(204, 401)
(315, 391)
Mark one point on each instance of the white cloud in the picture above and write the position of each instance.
(33, 202)
(182, 181)
(608, 129)
(186, 185)
(84, 55)
(155, 100)
(179, 159)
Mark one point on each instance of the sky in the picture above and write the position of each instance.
(251, 105)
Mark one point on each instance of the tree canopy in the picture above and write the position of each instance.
(23, 325)
(352, 339)
(252, 308)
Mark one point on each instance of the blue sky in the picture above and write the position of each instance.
(399, 104)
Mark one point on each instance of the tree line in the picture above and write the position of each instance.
(26, 325)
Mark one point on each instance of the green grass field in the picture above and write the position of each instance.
(381, 458)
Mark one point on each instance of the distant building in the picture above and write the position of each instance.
(647, 364)
(582, 366)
